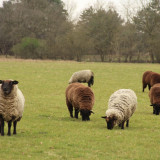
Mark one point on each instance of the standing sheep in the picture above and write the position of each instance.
(81, 98)
(83, 76)
(154, 96)
(146, 79)
(155, 78)
(122, 104)
(11, 104)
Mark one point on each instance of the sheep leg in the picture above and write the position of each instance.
(122, 125)
(157, 112)
(76, 113)
(127, 124)
(70, 108)
(2, 127)
(154, 110)
(149, 87)
(14, 127)
(144, 86)
(9, 128)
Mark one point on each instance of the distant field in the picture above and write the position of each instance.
(47, 132)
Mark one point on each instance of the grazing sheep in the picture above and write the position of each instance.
(155, 78)
(11, 104)
(83, 76)
(154, 96)
(122, 104)
(81, 98)
(146, 79)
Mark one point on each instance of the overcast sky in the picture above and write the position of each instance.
(75, 7)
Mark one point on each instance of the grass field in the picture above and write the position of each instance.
(47, 132)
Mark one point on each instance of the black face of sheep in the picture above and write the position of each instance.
(85, 114)
(109, 121)
(7, 86)
(156, 109)
(91, 81)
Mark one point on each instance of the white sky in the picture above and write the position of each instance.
(75, 7)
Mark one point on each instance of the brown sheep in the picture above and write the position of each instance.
(146, 79)
(81, 98)
(155, 78)
(154, 96)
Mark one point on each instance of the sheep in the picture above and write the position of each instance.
(146, 79)
(122, 104)
(154, 95)
(81, 98)
(155, 78)
(83, 76)
(11, 105)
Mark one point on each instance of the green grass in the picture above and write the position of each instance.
(47, 132)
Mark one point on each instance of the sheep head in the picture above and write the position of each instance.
(85, 114)
(7, 86)
(110, 120)
(156, 108)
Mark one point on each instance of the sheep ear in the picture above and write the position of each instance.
(15, 82)
(104, 117)
(1, 81)
(92, 112)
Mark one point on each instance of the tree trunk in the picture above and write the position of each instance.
(126, 57)
(79, 57)
(152, 57)
(102, 57)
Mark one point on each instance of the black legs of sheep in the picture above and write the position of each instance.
(70, 108)
(76, 113)
(122, 124)
(9, 127)
(149, 87)
(1, 126)
(84, 113)
(14, 127)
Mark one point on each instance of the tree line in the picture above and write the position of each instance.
(41, 29)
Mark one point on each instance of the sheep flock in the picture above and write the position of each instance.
(80, 98)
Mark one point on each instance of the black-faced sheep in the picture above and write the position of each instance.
(11, 104)
(83, 76)
(154, 96)
(146, 79)
(122, 104)
(81, 98)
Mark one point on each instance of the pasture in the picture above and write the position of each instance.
(46, 130)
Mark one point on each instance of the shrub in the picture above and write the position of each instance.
(30, 48)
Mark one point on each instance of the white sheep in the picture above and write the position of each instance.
(122, 104)
(11, 104)
(83, 76)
